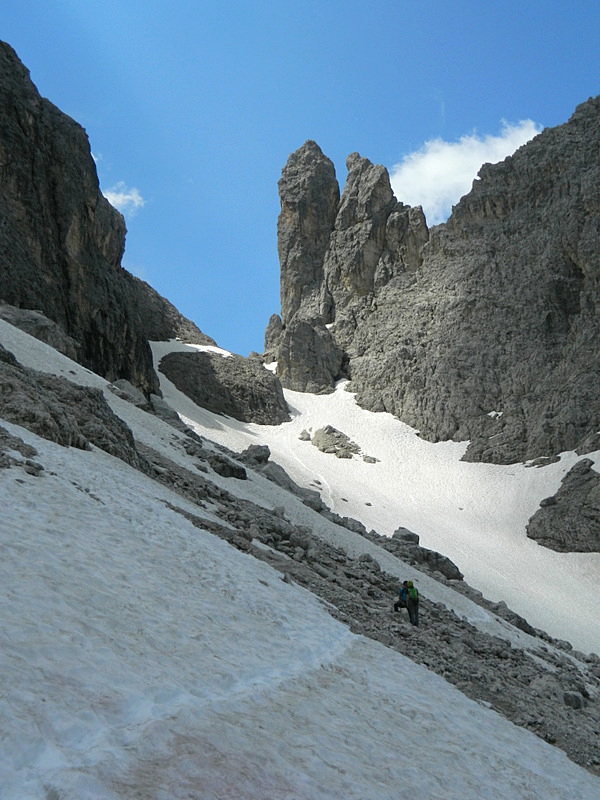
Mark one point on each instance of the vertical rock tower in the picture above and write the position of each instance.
(335, 254)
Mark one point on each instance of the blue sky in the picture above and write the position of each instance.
(193, 107)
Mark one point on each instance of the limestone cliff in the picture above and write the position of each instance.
(485, 328)
(61, 242)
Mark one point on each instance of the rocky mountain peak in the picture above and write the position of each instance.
(484, 330)
(367, 194)
(375, 237)
(309, 195)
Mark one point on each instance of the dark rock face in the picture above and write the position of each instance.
(159, 318)
(570, 520)
(61, 411)
(61, 242)
(36, 324)
(485, 329)
(239, 387)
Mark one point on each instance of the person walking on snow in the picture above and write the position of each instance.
(412, 603)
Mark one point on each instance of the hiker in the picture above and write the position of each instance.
(401, 601)
(412, 603)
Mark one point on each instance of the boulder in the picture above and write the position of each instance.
(238, 387)
(569, 521)
(330, 440)
(404, 535)
(126, 391)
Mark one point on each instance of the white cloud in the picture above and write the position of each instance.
(127, 201)
(438, 174)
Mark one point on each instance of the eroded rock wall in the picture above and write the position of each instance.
(61, 242)
(485, 328)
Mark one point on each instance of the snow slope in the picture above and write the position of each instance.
(473, 513)
(144, 658)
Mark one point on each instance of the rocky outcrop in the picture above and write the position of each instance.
(405, 545)
(486, 328)
(63, 412)
(238, 387)
(569, 521)
(36, 324)
(330, 440)
(61, 242)
(308, 358)
(258, 458)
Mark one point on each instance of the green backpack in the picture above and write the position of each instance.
(413, 593)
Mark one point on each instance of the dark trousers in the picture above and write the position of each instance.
(413, 611)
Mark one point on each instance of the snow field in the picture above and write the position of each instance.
(144, 658)
(100, 601)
